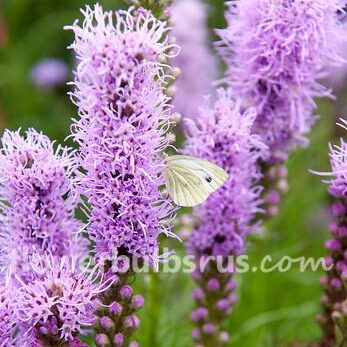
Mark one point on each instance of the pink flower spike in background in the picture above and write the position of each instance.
(275, 51)
(196, 63)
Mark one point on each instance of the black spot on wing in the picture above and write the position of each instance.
(208, 179)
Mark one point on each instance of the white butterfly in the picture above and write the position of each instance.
(191, 180)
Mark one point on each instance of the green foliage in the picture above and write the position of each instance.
(273, 309)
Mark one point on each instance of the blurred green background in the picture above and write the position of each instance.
(273, 309)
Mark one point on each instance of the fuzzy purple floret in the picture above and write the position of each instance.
(222, 135)
(275, 51)
(37, 212)
(121, 131)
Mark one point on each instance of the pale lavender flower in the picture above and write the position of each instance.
(223, 135)
(49, 73)
(37, 213)
(198, 67)
(60, 301)
(122, 130)
(275, 51)
(335, 76)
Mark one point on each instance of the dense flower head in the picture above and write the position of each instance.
(275, 51)
(222, 134)
(122, 130)
(198, 67)
(60, 301)
(7, 318)
(37, 213)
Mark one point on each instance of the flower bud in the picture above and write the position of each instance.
(196, 334)
(118, 339)
(338, 209)
(199, 314)
(116, 309)
(213, 285)
(224, 337)
(198, 294)
(335, 283)
(126, 292)
(138, 302)
(131, 322)
(106, 322)
(333, 245)
(224, 305)
(102, 340)
(209, 328)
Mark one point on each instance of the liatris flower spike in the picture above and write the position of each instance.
(223, 135)
(276, 51)
(37, 209)
(334, 300)
(122, 132)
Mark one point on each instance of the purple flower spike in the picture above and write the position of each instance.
(222, 134)
(275, 52)
(333, 319)
(35, 179)
(121, 131)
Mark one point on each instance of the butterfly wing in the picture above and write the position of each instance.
(191, 180)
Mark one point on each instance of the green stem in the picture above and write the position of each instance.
(154, 308)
